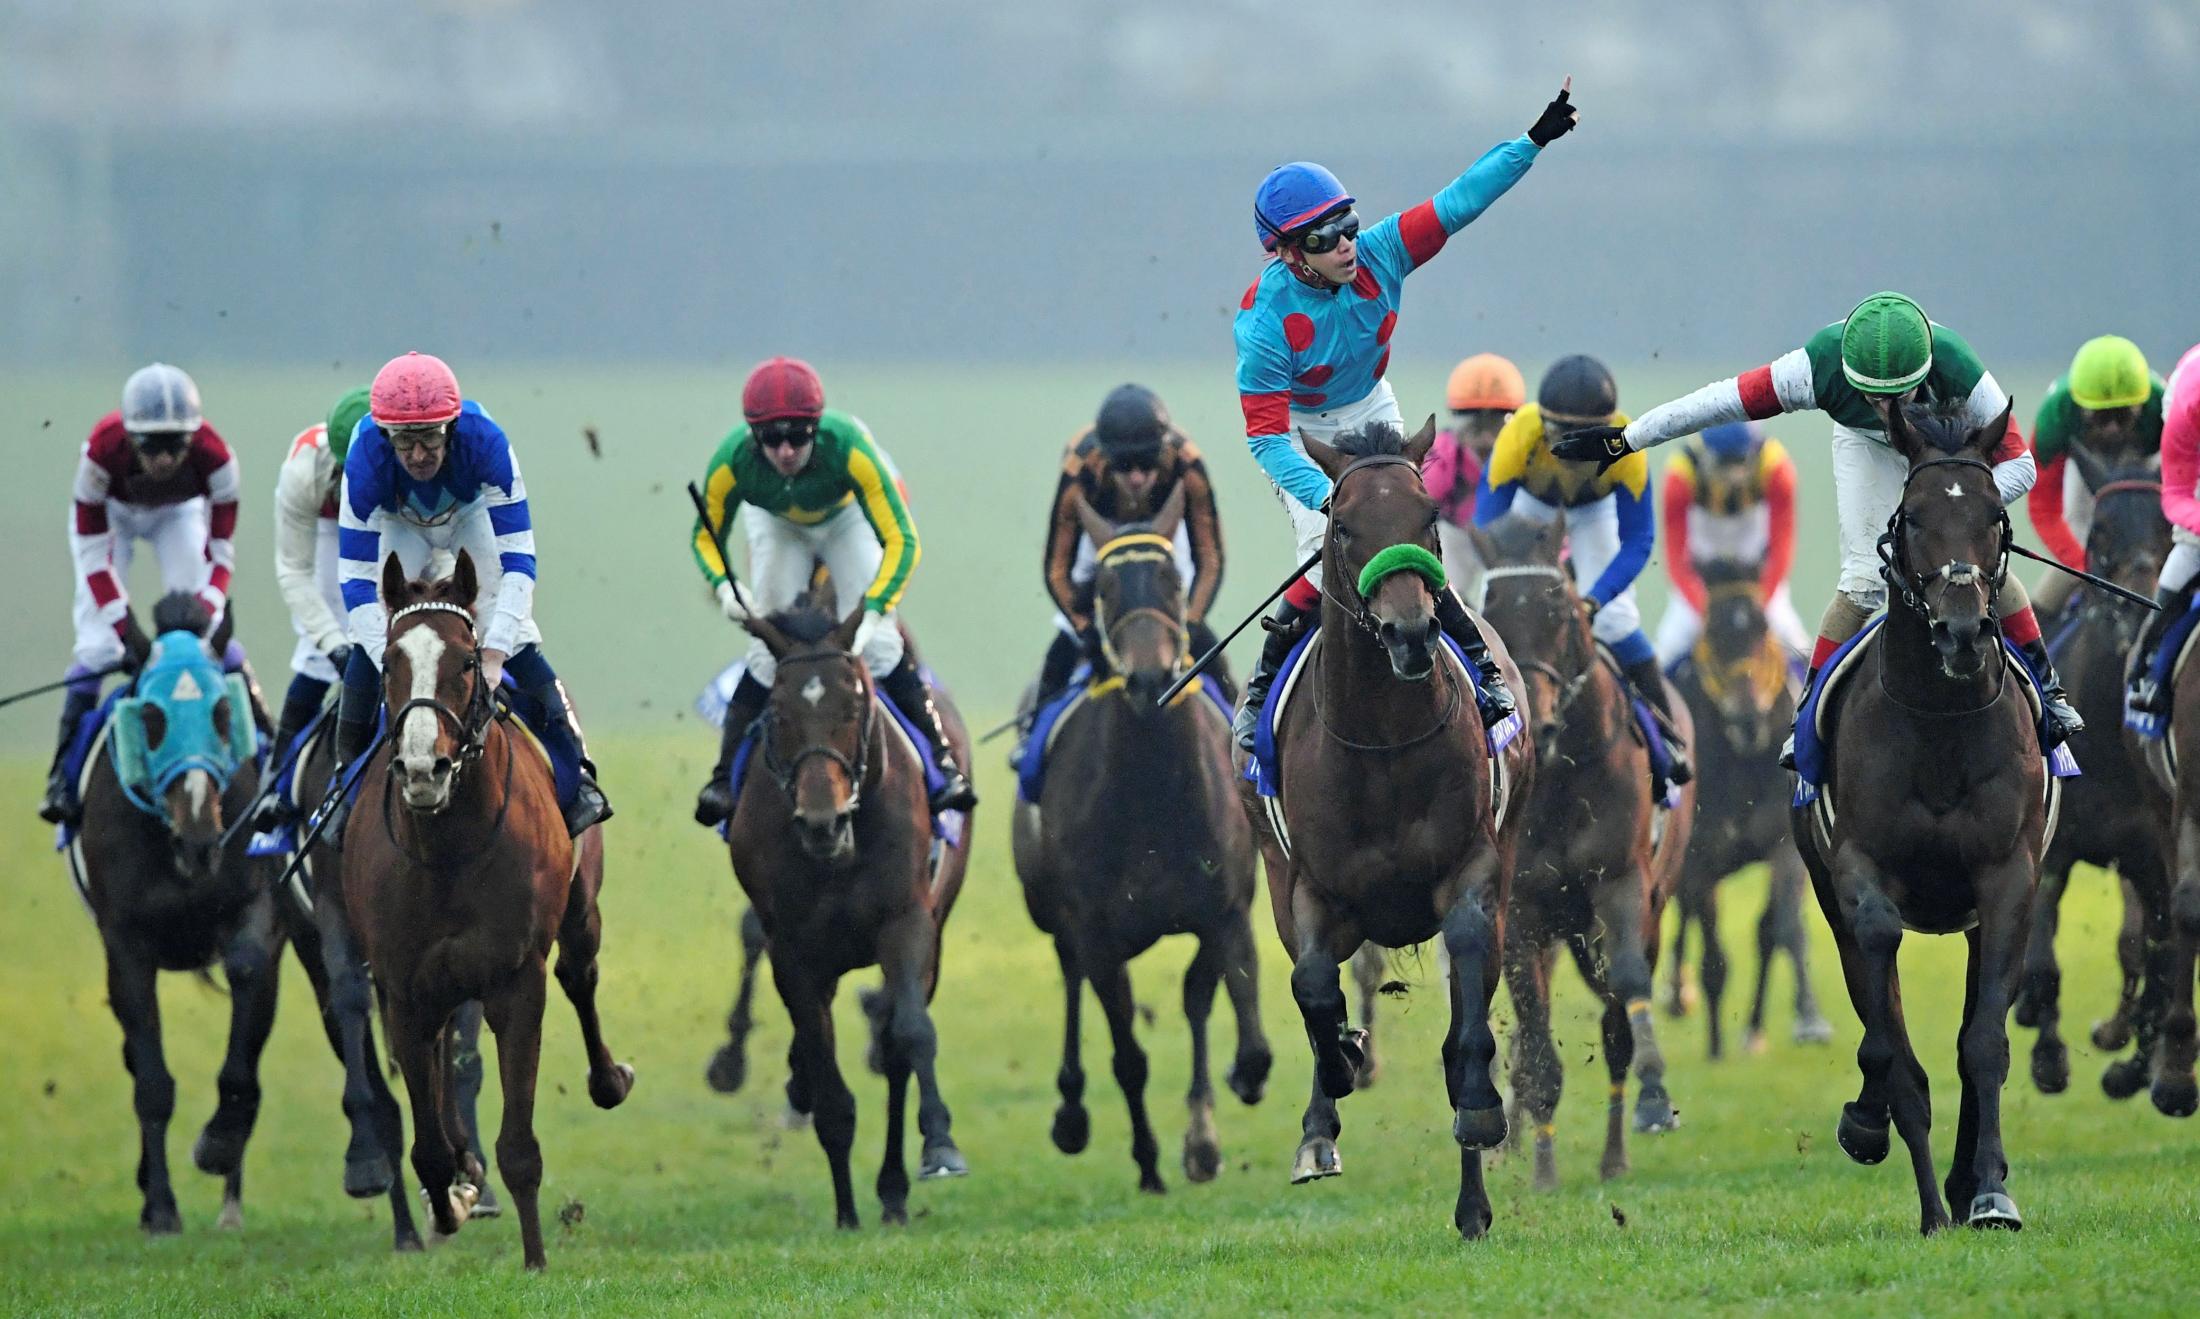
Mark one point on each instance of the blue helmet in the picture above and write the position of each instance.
(1734, 441)
(1292, 196)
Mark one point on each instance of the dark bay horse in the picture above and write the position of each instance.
(1389, 834)
(831, 840)
(1934, 814)
(1138, 834)
(457, 876)
(1741, 697)
(2110, 814)
(1595, 864)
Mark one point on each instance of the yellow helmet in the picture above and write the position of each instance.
(2109, 372)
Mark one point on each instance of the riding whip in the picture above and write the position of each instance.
(339, 784)
(710, 524)
(43, 688)
(1199, 665)
(267, 785)
(2086, 577)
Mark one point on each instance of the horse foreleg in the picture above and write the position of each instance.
(1072, 1124)
(1869, 934)
(1677, 997)
(1477, 1110)
(2114, 1032)
(2174, 1092)
(1618, 1037)
(2039, 1001)
(908, 955)
(817, 1077)
(132, 995)
(1623, 907)
(1537, 1077)
(1202, 1148)
(250, 962)
(1368, 973)
(515, 1014)
(1784, 908)
(377, 1124)
(580, 938)
(1248, 1074)
(1714, 967)
(416, 1041)
(1111, 983)
(729, 1067)
(1976, 1186)
(1316, 987)
(2149, 880)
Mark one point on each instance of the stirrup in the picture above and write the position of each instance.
(956, 794)
(714, 804)
(589, 809)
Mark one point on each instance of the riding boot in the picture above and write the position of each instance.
(300, 704)
(1283, 628)
(1054, 675)
(2144, 694)
(1648, 681)
(60, 806)
(905, 687)
(714, 804)
(561, 723)
(354, 736)
(1787, 748)
(1494, 701)
(2059, 718)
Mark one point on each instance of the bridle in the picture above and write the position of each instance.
(1911, 586)
(2121, 618)
(783, 771)
(473, 734)
(1359, 611)
(1130, 548)
(1568, 688)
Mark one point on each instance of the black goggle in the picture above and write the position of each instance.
(1135, 462)
(1324, 235)
(162, 444)
(786, 433)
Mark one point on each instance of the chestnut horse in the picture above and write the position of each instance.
(457, 876)
(1386, 802)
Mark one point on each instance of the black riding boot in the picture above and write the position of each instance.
(300, 704)
(562, 722)
(1648, 680)
(906, 687)
(2145, 696)
(1283, 628)
(1496, 703)
(1054, 676)
(353, 739)
(714, 804)
(60, 806)
(2061, 719)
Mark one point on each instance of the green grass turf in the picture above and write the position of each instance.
(699, 1203)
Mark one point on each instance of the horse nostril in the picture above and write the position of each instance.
(442, 767)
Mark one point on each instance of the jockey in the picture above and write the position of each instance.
(1729, 496)
(2110, 404)
(1313, 342)
(1126, 465)
(1883, 355)
(306, 567)
(2181, 504)
(817, 487)
(428, 470)
(1483, 393)
(1610, 526)
(152, 471)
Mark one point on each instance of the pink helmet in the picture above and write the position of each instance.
(414, 390)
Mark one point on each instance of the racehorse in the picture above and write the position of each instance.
(1595, 865)
(2105, 818)
(1742, 694)
(1384, 829)
(1137, 834)
(457, 875)
(1933, 813)
(831, 840)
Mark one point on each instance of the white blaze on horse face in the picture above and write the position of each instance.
(195, 786)
(423, 649)
(813, 691)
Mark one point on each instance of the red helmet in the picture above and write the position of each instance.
(413, 390)
(781, 388)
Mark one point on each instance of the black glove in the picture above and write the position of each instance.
(1557, 119)
(136, 646)
(1602, 445)
(340, 655)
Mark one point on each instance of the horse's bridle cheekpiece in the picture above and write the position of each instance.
(473, 728)
(783, 771)
(1912, 586)
(1137, 547)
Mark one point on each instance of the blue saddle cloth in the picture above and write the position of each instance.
(1031, 771)
(2154, 726)
(946, 825)
(1812, 751)
(1265, 769)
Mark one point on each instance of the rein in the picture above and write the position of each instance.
(783, 771)
(472, 730)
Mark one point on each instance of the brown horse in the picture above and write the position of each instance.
(1388, 832)
(832, 842)
(1137, 835)
(1934, 813)
(1595, 864)
(458, 875)
(1741, 693)
(2106, 819)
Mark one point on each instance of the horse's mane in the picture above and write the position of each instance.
(181, 611)
(1939, 428)
(804, 621)
(1376, 437)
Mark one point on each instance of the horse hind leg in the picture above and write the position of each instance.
(136, 1005)
(1623, 909)
(1248, 1074)
(462, 1046)
(1714, 972)
(2039, 1000)
(515, 1014)
(1202, 1157)
(580, 938)
(1538, 1076)
(2114, 1033)
(2173, 1091)
(1785, 907)
(250, 963)
(1369, 971)
(729, 1067)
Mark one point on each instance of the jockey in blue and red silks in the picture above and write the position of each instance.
(1313, 342)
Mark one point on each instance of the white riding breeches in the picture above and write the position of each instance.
(1679, 629)
(305, 657)
(1592, 542)
(1310, 525)
(177, 533)
(781, 555)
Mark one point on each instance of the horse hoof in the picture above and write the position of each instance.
(1072, 1129)
(408, 1243)
(1479, 1128)
(1318, 1158)
(217, 1154)
(1248, 1077)
(1862, 1138)
(2175, 1096)
(610, 1089)
(2026, 1013)
(1654, 1112)
(793, 1119)
(1611, 1168)
(2123, 1078)
(1814, 1030)
(2111, 1035)
(1202, 1160)
(160, 1222)
(893, 1216)
(2050, 1067)
(1473, 1224)
(727, 1070)
(232, 1217)
(487, 1205)
(1994, 1210)
(1150, 1183)
(942, 1161)
(368, 1178)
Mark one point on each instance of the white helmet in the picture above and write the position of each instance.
(159, 398)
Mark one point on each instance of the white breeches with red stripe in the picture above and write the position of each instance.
(305, 657)
(1310, 525)
(177, 533)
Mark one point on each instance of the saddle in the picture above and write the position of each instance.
(2169, 662)
(1086, 685)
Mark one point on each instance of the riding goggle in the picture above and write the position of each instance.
(426, 439)
(1324, 235)
(162, 444)
(788, 433)
(1135, 462)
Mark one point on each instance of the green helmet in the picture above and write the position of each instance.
(2109, 372)
(1886, 345)
(343, 419)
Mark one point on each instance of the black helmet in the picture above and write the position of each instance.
(1578, 386)
(1131, 424)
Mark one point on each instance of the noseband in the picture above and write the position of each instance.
(783, 771)
(1912, 586)
(1137, 547)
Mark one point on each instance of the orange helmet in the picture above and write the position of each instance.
(1485, 381)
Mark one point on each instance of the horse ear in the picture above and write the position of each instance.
(396, 591)
(1550, 539)
(1172, 513)
(843, 637)
(2091, 469)
(766, 631)
(1329, 460)
(465, 579)
(1423, 439)
(1987, 437)
(1098, 528)
(1899, 434)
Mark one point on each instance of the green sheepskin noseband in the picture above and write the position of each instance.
(1401, 558)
